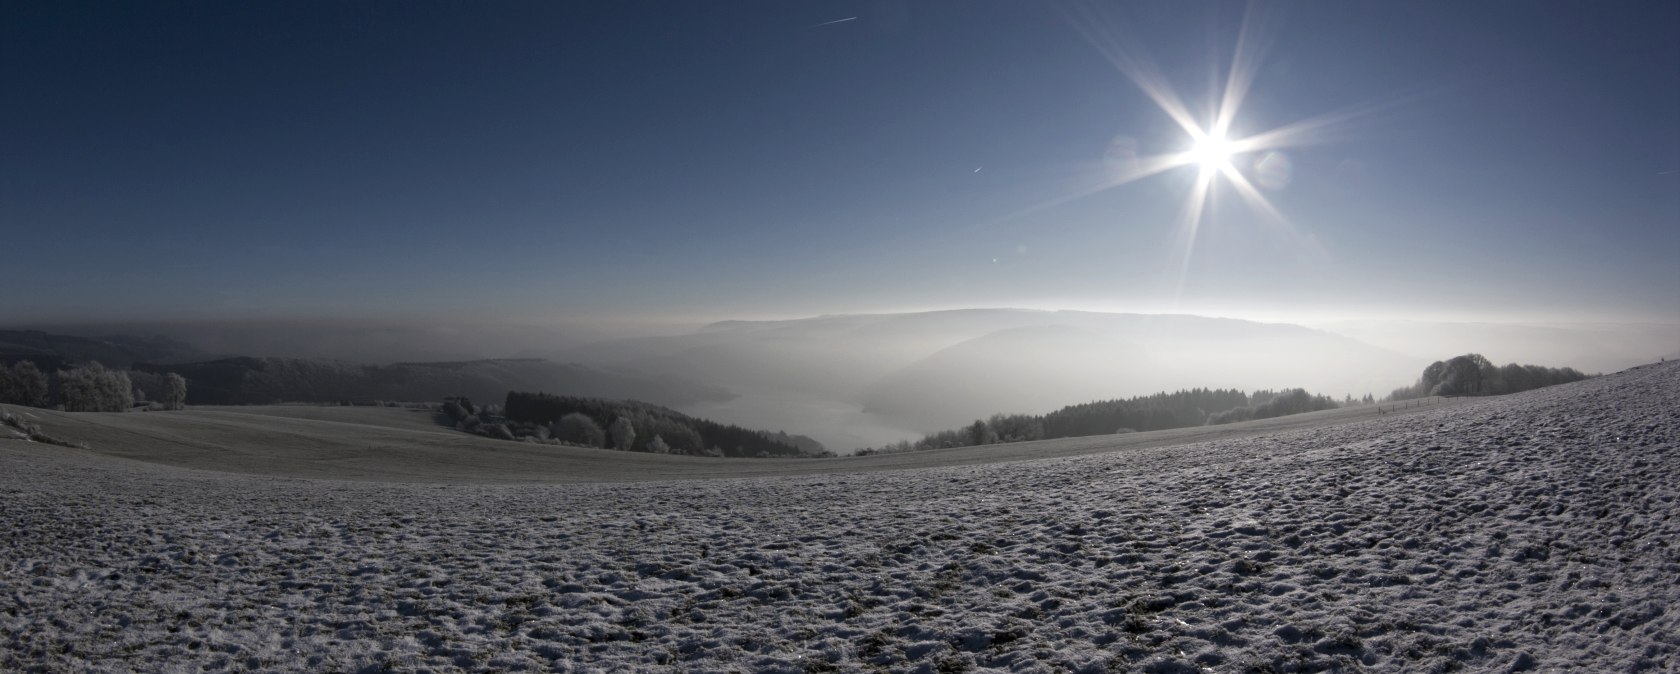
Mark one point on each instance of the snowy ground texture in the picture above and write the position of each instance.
(1535, 532)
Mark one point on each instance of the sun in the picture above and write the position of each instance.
(1212, 152)
(1211, 142)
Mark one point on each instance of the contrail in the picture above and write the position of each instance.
(825, 23)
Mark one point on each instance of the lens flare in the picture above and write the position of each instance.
(1274, 171)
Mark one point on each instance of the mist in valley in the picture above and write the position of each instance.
(867, 380)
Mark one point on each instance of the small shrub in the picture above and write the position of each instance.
(499, 431)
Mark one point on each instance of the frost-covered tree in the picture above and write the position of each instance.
(92, 388)
(1471, 374)
(1016, 427)
(1432, 377)
(1468, 374)
(23, 384)
(657, 446)
(623, 434)
(174, 391)
(579, 429)
(454, 410)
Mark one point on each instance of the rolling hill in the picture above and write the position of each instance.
(52, 350)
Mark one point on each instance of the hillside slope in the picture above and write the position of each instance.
(1534, 532)
(399, 445)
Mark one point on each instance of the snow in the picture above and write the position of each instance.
(1532, 532)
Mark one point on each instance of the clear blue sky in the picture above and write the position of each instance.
(683, 160)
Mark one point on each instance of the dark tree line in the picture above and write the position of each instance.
(1143, 413)
(1160, 411)
(1292, 401)
(1471, 374)
(641, 427)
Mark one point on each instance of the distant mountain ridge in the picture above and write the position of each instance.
(112, 350)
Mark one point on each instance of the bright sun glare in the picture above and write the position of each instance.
(1212, 153)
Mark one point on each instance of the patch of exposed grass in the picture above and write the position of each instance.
(34, 432)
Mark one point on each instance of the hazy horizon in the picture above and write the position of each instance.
(866, 380)
(376, 341)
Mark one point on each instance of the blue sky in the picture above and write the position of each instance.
(528, 162)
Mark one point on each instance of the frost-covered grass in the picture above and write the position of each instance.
(1535, 532)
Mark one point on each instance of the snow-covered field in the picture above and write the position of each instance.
(1534, 532)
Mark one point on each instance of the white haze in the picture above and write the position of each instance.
(1589, 347)
(862, 380)
(865, 380)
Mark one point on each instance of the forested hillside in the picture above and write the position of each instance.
(1160, 411)
(246, 381)
(639, 426)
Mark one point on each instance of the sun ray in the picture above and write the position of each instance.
(1252, 196)
(1144, 167)
(1108, 39)
(1332, 126)
(1324, 128)
(1189, 222)
(1245, 61)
